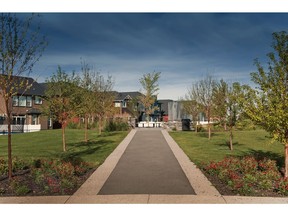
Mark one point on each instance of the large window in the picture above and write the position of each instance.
(22, 101)
(19, 120)
(25, 101)
(38, 100)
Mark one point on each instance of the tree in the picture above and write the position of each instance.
(149, 83)
(202, 91)
(86, 95)
(220, 94)
(191, 107)
(21, 47)
(267, 105)
(62, 99)
(104, 96)
(234, 102)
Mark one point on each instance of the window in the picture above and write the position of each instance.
(19, 120)
(2, 119)
(117, 104)
(38, 100)
(15, 101)
(29, 101)
(22, 101)
(35, 120)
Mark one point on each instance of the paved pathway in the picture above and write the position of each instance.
(148, 166)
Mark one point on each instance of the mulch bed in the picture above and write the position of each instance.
(35, 190)
(225, 190)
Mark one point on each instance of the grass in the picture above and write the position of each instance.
(48, 144)
(201, 150)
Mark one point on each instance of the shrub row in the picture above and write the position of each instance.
(247, 175)
(45, 177)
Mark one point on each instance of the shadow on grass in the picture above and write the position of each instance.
(259, 155)
(205, 134)
(77, 150)
(227, 144)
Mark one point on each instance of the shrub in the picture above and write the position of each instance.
(247, 175)
(116, 125)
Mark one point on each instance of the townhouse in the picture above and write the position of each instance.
(26, 108)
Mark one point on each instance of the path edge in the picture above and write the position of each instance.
(95, 182)
(198, 181)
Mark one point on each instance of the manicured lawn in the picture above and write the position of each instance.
(48, 144)
(201, 150)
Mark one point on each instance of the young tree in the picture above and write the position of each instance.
(104, 96)
(62, 99)
(21, 46)
(220, 97)
(149, 83)
(191, 107)
(269, 104)
(87, 96)
(235, 97)
(202, 91)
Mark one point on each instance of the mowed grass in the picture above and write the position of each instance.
(48, 144)
(201, 150)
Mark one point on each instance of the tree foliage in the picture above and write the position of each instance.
(62, 99)
(149, 83)
(21, 46)
(202, 92)
(267, 105)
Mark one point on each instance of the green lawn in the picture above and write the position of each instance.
(201, 150)
(48, 144)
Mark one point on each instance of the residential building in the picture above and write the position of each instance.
(26, 108)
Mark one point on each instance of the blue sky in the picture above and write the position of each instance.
(184, 47)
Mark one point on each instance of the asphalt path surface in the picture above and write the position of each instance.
(147, 166)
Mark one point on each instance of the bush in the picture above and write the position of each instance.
(116, 125)
(247, 175)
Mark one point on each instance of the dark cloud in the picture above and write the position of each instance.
(184, 46)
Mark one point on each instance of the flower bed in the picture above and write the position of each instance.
(43, 177)
(248, 176)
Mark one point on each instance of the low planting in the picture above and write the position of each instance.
(249, 176)
(44, 177)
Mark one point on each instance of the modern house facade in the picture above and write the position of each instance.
(26, 108)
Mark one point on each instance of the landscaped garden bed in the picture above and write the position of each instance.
(43, 177)
(253, 168)
(247, 176)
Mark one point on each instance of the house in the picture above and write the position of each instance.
(26, 108)
(128, 105)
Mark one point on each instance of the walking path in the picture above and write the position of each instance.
(143, 169)
(148, 166)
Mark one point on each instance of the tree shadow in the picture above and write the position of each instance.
(260, 155)
(205, 134)
(227, 144)
(79, 149)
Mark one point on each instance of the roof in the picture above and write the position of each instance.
(127, 95)
(35, 89)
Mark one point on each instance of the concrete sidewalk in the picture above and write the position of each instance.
(89, 192)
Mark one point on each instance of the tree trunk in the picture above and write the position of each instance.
(9, 117)
(63, 137)
(100, 125)
(86, 129)
(209, 130)
(10, 168)
(231, 138)
(286, 160)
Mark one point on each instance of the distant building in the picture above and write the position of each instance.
(26, 108)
